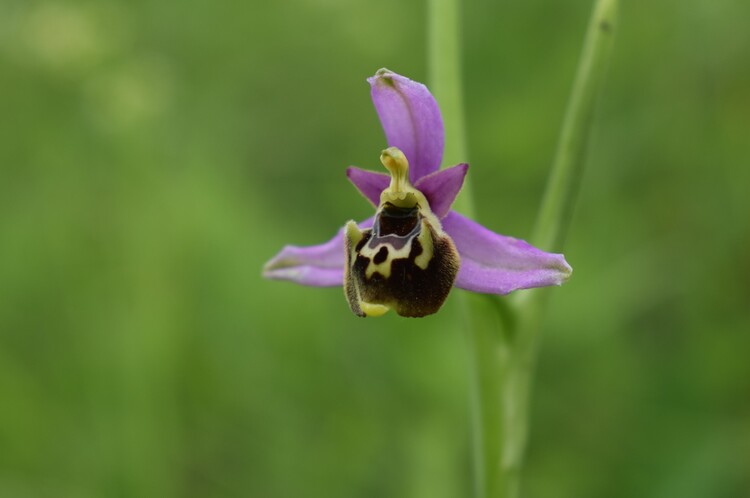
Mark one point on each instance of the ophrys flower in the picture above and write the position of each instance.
(415, 249)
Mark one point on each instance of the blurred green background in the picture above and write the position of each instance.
(154, 154)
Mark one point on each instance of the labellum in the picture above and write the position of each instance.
(405, 261)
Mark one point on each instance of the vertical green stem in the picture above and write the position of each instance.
(487, 352)
(555, 212)
(444, 57)
(445, 83)
(502, 334)
(567, 168)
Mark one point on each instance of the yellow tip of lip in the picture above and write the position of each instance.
(373, 310)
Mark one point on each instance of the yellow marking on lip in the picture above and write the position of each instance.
(428, 248)
(383, 268)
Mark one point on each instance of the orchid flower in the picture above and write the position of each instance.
(409, 255)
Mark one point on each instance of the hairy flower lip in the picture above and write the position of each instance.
(490, 262)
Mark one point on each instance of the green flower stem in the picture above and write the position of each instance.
(567, 168)
(444, 63)
(503, 334)
(553, 222)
